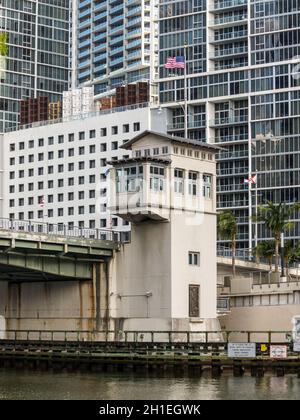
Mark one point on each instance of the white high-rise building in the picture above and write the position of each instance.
(57, 173)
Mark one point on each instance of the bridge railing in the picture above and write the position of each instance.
(61, 229)
(170, 337)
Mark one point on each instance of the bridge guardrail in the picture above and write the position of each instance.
(61, 229)
(170, 337)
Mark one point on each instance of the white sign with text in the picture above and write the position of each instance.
(237, 350)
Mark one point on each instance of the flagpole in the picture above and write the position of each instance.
(256, 204)
(185, 94)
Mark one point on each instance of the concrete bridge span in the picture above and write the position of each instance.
(55, 280)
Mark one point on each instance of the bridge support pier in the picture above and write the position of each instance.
(101, 295)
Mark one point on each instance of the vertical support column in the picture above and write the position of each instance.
(101, 295)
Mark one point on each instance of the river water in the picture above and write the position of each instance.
(34, 385)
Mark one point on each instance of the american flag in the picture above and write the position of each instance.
(251, 180)
(175, 62)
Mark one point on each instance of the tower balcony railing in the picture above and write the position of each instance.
(101, 25)
(84, 3)
(130, 2)
(136, 42)
(229, 19)
(84, 43)
(232, 204)
(84, 13)
(229, 35)
(233, 137)
(232, 187)
(232, 155)
(100, 16)
(233, 171)
(117, 8)
(133, 33)
(116, 40)
(241, 119)
(100, 6)
(84, 53)
(230, 51)
(135, 11)
(133, 22)
(85, 63)
(191, 124)
(99, 47)
(99, 57)
(116, 29)
(225, 4)
(117, 50)
(116, 19)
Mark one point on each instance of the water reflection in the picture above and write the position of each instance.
(19, 385)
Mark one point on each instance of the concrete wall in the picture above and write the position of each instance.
(144, 267)
(260, 318)
(48, 305)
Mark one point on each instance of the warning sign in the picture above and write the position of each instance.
(241, 350)
(278, 352)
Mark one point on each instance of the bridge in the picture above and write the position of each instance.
(34, 251)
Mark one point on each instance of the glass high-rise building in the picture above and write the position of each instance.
(37, 59)
(114, 42)
(243, 93)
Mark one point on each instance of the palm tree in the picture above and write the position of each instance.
(227, 230)
(291, 254)
(276, 218)
(3, 44)
(265, 249)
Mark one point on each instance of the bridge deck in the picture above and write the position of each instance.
(40, 256)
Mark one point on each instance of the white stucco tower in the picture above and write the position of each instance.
(165, 279)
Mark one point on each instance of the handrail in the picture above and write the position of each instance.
(61, 229)
(139, 336)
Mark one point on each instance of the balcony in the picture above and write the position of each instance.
(241, 119)
(232, 204)
(85, 23)
(116, 19)
(230, 4)
(84, 53)
(134, 54)
(100, 6)
(84, 13)
(133, 22)
(236, 51)
(232, 188)
(116, 29)
(229, 36)
(134, 33)
(116, 40)
(100, 16)
(100, 26)
(116, 50)
(100, 57)
(191, 124)
(233, 171)
(85, 63)
(230, 20)
(100, 47)
(85, 43)
(117, 8)
(232, 155)
(232, 138)
(134, 11)
(135, 43)
(116, 61)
